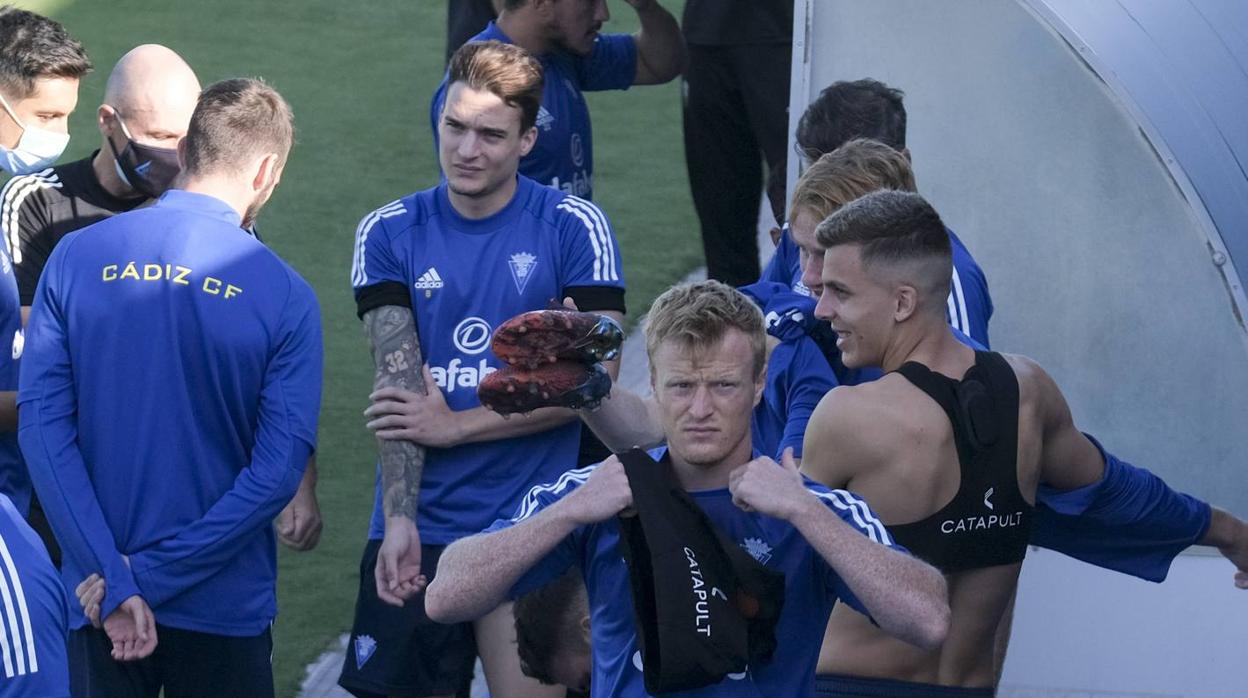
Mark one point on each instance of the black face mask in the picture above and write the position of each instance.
(147, 170)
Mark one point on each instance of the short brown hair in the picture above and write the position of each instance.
(504, 70)
(236, 120)
(855, 169)
(698, 314)
(33, 47)
(898, 233)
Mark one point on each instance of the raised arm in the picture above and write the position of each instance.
(475, 574)
(904, 595)
(1105, 511)
(625, 420)
(660, 46)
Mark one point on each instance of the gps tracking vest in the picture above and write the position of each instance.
(987, 522)
(705, 609)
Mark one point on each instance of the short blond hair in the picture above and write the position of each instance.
(698, 314)
(853, 170)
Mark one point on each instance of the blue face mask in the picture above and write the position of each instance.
(35, 150)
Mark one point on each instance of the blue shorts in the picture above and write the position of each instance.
(841, 686)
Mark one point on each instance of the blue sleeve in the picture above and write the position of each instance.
(1129, 522)
(285, 437)
(807, 379)
(591, 254)
(373, 261)
(611, 65)
(780, 268)
(48, 434)
(854, 511)
(567, 553)
(970, 306)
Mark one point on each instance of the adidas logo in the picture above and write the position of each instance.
(429, 280)
(544, 119)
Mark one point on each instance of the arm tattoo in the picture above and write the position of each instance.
(391, 332)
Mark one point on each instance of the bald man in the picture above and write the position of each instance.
(148, 101)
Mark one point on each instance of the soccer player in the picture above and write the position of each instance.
(706, 346)
(34, 617)
(40, 66)
(563, 34)
(434, 273)
(952, 447)
(869, 109)
(169, 401)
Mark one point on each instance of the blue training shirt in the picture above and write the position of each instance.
(969, 305)
(798, 372)
(34, 614)
(169, 403)
(464, 278)
(811, 587)
(14, 480)
(563, 157)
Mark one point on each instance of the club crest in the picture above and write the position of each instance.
(522, 264)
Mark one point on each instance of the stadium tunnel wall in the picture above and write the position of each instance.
(1092, 156)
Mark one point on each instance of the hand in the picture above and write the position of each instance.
(769, 488)
(1237, 553)
(422, 418)
(132, 630)
(90, 593)
(398, 562)
(605, 494)
(299, 525)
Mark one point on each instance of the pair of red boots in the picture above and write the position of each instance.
(553, 359)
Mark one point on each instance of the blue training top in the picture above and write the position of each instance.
(34, 614)
(811, 586)
(798, 372)
(169, 402)
(969, 305)
(463, 278)
(564, 154)
(14, 480)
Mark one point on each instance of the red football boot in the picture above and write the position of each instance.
(571, 384)
(546, 336)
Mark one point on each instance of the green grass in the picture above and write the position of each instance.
(359, 76)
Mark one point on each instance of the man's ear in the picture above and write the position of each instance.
(528, 139)
(182, 154)
(105, 119)
(266, 170)
(905, 302)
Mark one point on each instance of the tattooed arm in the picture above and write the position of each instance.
(391, 332)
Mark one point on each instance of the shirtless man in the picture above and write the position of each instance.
(944, 461)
